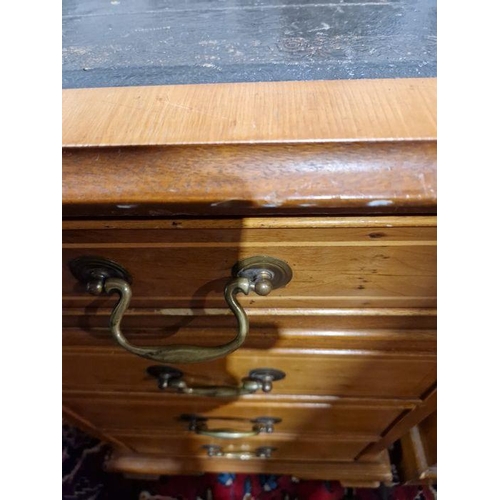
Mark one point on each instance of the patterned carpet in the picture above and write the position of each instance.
(84, 479)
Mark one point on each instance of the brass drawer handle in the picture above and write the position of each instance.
(216, 451)
(258, 274)
(260, 425)
(260, 379)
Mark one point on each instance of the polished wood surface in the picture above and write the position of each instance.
(355, 329)
(286, 332)
(298, 327)
(418, 459)
(286, 447)
(301, 415)
(177, 184)
(404, 424)
(251, 179)
(413, 222)
(323, 276)
(334, 266)
(352, 473)
(428, 434)
(253, 228)
(354, 110)
(308, 371)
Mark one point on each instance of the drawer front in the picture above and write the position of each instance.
(283, 447)
(310, 372)
(359, 474)
(187, 263)
(299, 417)
(345, 330)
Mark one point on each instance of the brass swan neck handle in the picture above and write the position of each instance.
(179, 353)
(259, 274)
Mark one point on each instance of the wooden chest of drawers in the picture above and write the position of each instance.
(352, 334)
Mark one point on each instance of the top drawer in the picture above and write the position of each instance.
(336, 262)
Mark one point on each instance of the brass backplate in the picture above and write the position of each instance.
(280, 273)
(88, 268)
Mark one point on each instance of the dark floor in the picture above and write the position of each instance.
(151, 42)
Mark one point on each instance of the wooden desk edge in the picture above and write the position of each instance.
(249, 113)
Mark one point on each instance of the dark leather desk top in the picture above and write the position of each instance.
(112, 43)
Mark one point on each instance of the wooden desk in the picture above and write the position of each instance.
(354, 330)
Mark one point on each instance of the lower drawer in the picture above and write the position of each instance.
(280, 446)
(362, 474)
(304, 416)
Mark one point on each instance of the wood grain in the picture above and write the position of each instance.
(403, 425)
(302, 324)
(429, 435)
(250, 179)
(354, 110)
(313, 372)
(333, 266)
(303, 230)
(287, 447)
(354, 473)
(175, 277)
(312, 416)
(301, 332)
(400, 225)
(355, 328)
(418, 462)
